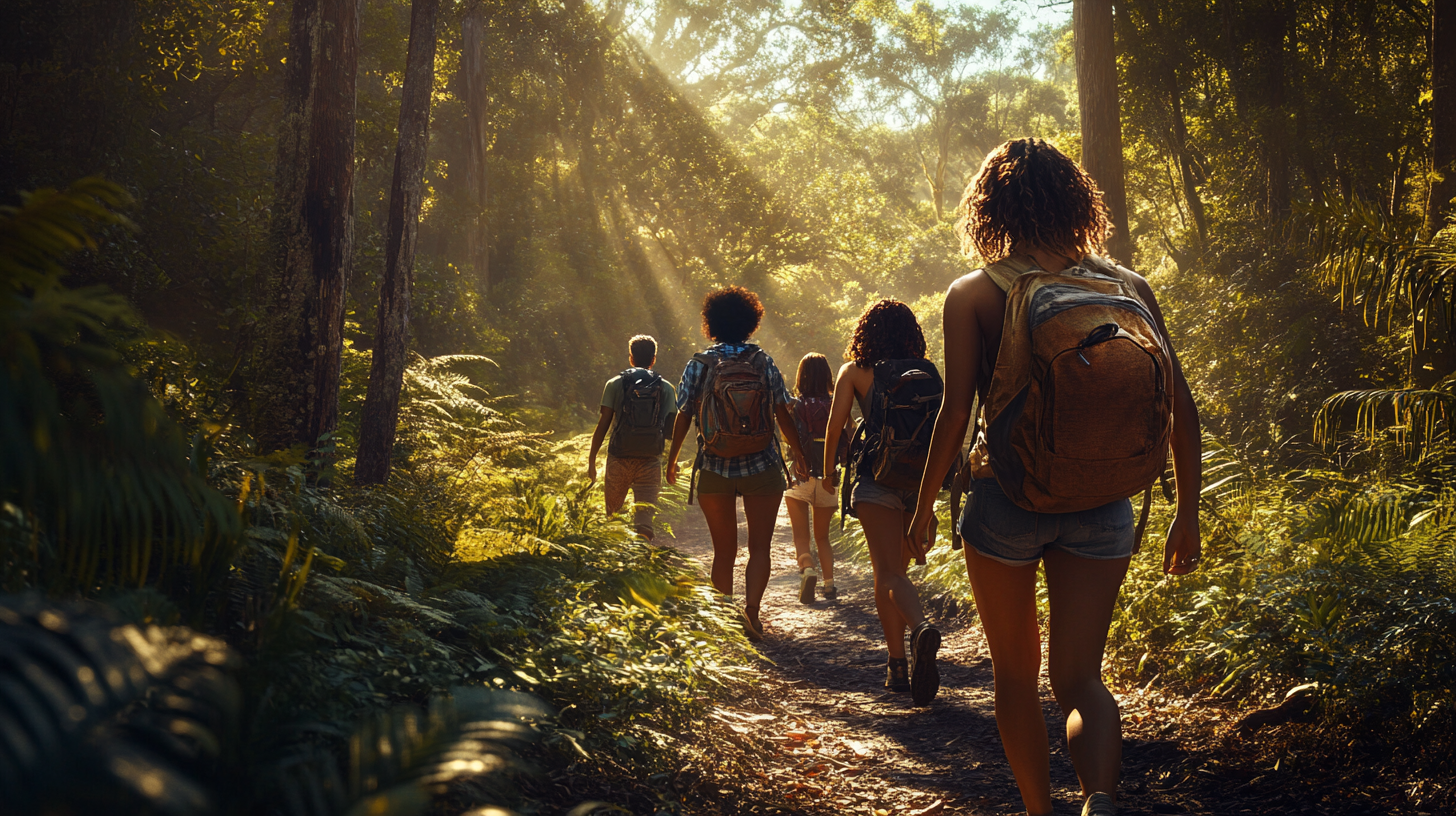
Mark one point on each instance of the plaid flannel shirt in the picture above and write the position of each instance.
(687, 395)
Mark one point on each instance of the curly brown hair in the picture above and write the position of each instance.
(1030, 193)
(731, 314)
(887, 330)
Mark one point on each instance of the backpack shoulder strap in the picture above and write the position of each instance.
(1004, 272)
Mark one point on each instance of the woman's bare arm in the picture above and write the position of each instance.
(838, 421)
(680, 427)
(1183, 548)
(962, 368)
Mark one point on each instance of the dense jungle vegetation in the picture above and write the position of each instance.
(218, 603)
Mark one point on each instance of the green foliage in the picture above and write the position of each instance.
(99, 486)
(1308, 576)
(100, 715)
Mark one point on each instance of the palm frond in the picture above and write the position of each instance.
(1416, 416)
(1379, 267)
(399, 759)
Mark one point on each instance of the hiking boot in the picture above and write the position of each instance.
(1099, 804)
(897, 675)
(831, 592)
(807, 578)
(925, 677)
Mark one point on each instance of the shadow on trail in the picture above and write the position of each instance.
(828, 671)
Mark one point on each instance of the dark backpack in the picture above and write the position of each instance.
(811, 418)
(639, 432)
(903, 404)
(735, 403)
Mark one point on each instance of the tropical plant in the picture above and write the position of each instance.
(103, 715)
(98, 484)
(1390, 275)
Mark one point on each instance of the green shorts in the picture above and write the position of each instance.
(767, 483)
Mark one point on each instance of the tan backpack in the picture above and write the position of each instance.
(1080, 408)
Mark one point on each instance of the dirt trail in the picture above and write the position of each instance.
(835, 739)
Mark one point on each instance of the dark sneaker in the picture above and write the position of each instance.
(807, 579)
(897, 675)
(1099, 804)
(925, 677)
(830, 591)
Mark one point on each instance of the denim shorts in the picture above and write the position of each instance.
(1004, 532)
(869, 491)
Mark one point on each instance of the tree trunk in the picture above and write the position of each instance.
(1186, 168)
(386, 370)
(1443, 114)
(1273, 133)
(297, 373)
(472, 75)
(1101, 122)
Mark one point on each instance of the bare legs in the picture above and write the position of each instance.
(720, 511)
(896, 600)
(799, 519)
(1082, 593)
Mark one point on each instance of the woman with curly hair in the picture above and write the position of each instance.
(887, 331)
(1030, 208)
(730, 317)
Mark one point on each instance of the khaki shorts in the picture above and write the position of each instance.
(812, 493)
(767, 483)
(644, 478)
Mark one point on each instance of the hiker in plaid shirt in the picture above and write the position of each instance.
(730, 317)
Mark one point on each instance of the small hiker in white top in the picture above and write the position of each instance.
(811, 418)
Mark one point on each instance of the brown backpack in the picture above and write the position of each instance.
(735, 410)
(1080, 408)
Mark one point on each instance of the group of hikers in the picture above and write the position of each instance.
(1063, 360)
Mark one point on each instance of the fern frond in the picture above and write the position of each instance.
(111, 490)
(399, 759)
(94, 713)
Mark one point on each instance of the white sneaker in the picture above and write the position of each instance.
(1099, 804)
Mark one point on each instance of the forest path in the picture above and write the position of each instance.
(836, 740)
(869, 749)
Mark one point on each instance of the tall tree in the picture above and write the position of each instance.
(927, 67)
(386, 371)
(1101, 122)
(477, 97)
(296, 377)
(1443, 113)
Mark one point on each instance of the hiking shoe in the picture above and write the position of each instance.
(807, 578)
(897, 675)
(830, 591)
(1099, 804)
(925, 678)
